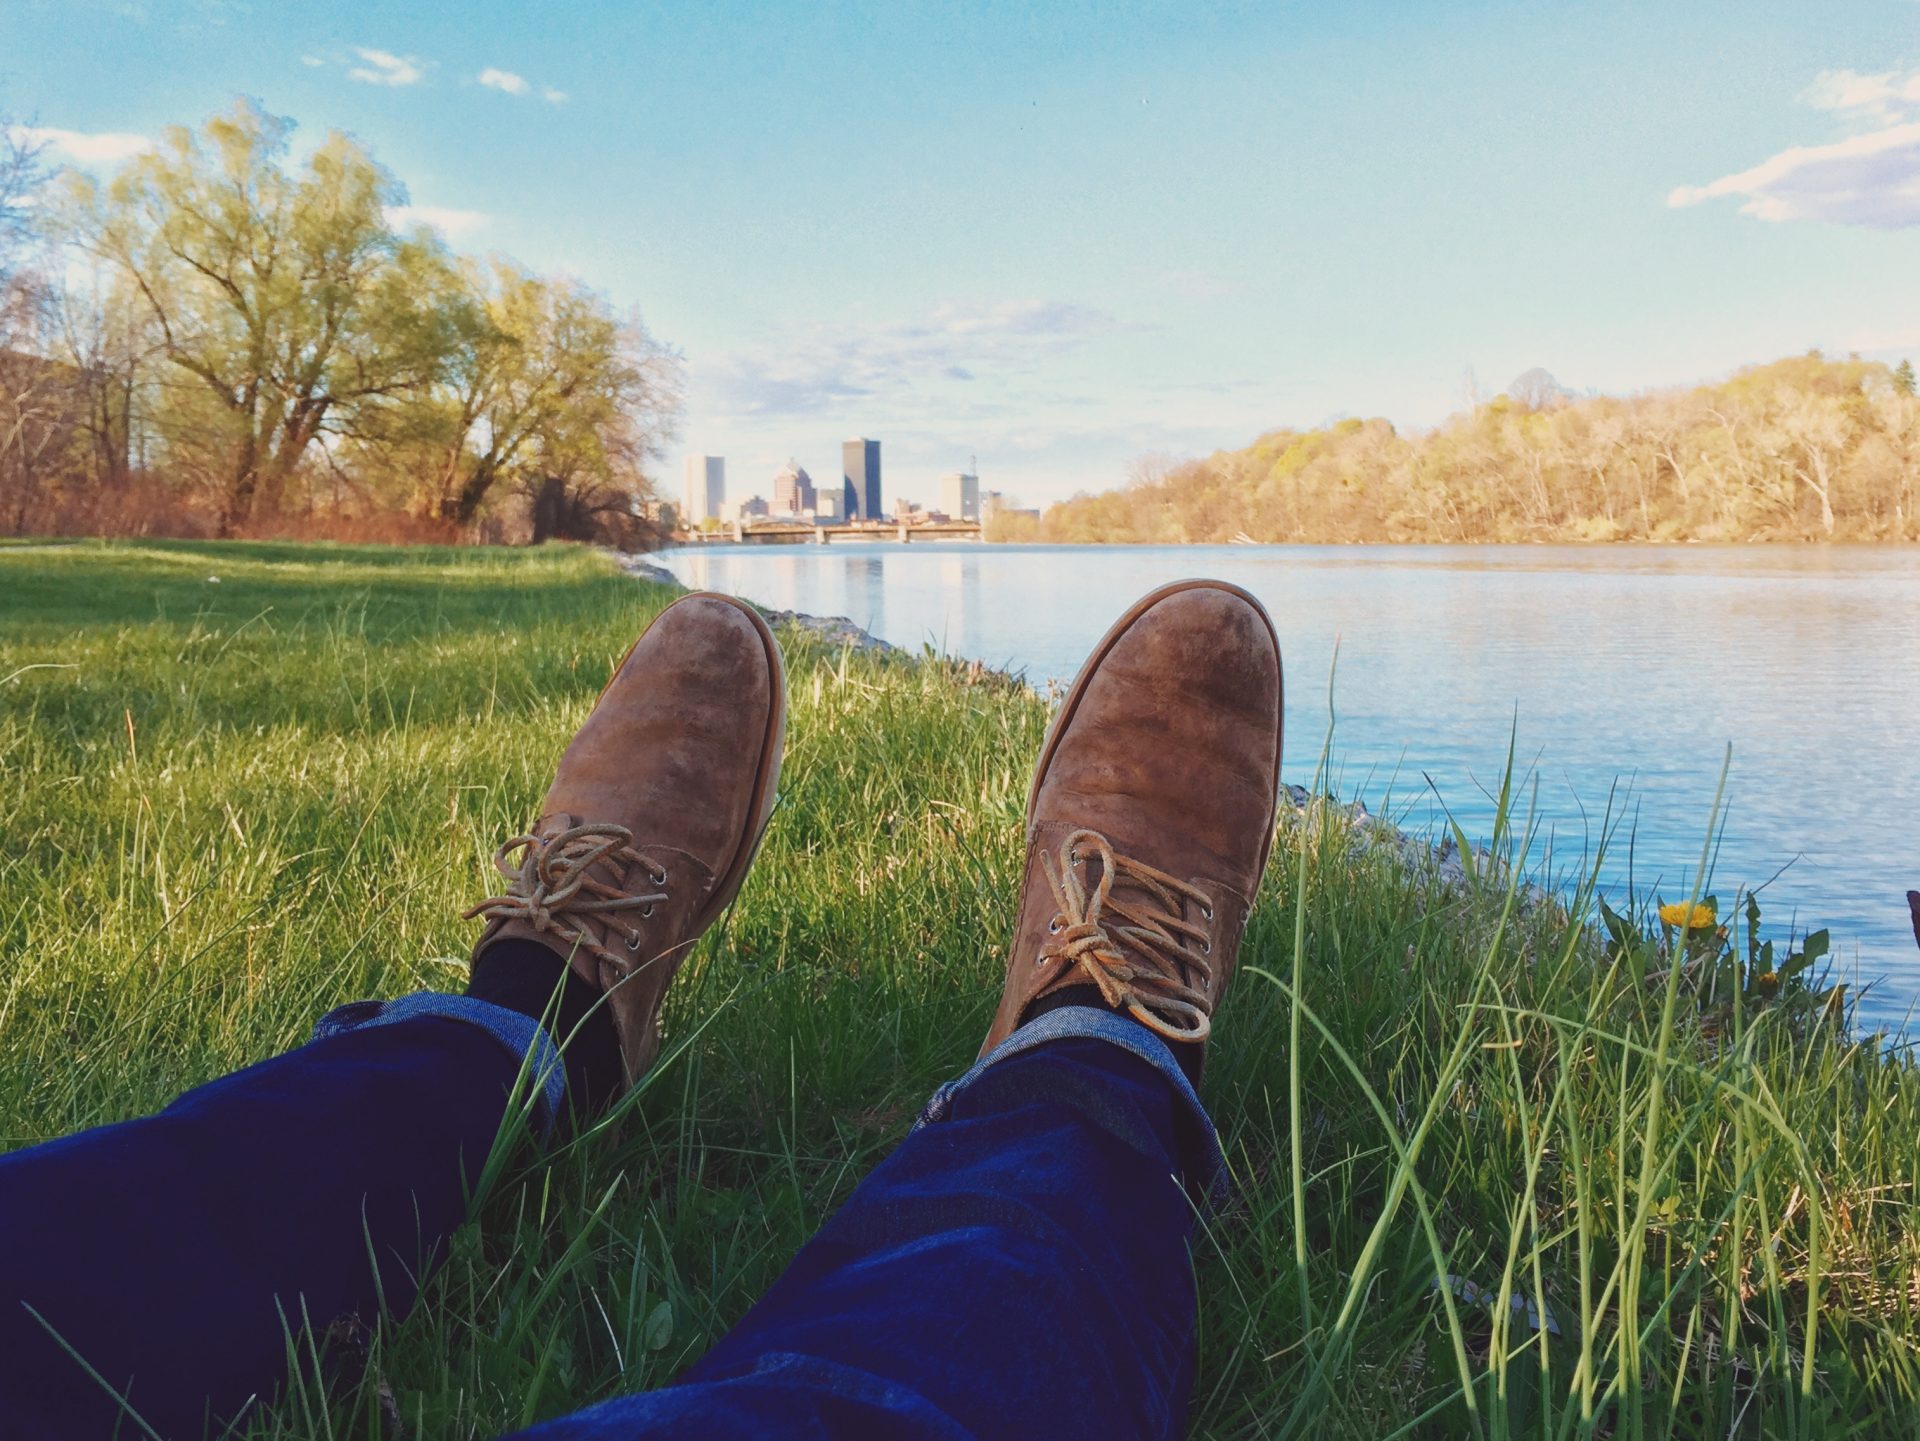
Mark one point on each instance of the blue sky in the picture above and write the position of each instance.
(1060, 236)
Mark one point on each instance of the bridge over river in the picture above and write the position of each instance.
(801, 532)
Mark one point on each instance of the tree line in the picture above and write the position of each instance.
(216, 340)
(1805, 448)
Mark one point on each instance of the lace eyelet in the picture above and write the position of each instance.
(660, 879)
(1206, 948)
(1056, 925)
(633, 940)
(1206, 913)
(647, 909)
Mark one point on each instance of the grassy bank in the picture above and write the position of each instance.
(232, 803)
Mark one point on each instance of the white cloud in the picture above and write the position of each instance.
(1870, 178)
(503, 80)
(103, 147)
(383, 67)
(1013, 317)
(313, 62)
(508, 82)
(1886, 97)
(827, 366)
(454, 224)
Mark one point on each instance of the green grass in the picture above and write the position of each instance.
(230, 806)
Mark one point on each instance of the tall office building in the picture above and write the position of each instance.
(793, 492)
(706, 489)
(860, 470)
(960, 495)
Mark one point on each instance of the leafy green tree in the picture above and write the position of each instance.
(543, 389)
(588, 475)
(284, 305)
(1903, 379)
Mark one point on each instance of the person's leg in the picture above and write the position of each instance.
(1018, 1267)
(165, 1262)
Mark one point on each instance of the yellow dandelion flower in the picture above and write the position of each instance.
(1699, 918)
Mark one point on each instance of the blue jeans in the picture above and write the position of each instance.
(1017, 1267)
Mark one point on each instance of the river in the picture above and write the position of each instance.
(1620, 672)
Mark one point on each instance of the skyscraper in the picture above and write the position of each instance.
(793, 491)
(706, 489)
(960, 495)
(860, 470)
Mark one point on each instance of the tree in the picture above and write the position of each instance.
(1896, 414)
(1817, 432)
(545, 387)
(1738, 458)
(35, 397)
(284, 305)
(100, 332)
(1903, 378)
(1536, 389)
(588, 479)
(21, 176)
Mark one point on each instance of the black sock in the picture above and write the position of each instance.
(522, 976)
(1186, 1054)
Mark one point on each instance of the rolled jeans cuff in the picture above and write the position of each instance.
(525, 1038)
(1203, 1163)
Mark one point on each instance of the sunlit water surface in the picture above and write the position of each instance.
(1625, 671)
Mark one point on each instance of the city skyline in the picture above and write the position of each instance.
(792, 490)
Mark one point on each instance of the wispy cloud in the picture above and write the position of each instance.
(312, 62)
(1887, 97)
(503, 80)
(454, 224)
(509, 82)
(383, 67)
(1870, 178)
(827, 366)
(104, 147)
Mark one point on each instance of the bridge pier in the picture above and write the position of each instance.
(905, 532)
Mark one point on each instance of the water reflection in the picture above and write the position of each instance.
(1636, 665)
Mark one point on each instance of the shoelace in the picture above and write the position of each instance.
(550, 887)
(1095, 927)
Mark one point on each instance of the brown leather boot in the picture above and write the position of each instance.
(654, 813)
(1152, 813)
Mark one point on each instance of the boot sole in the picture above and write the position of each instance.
(1093, 662)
